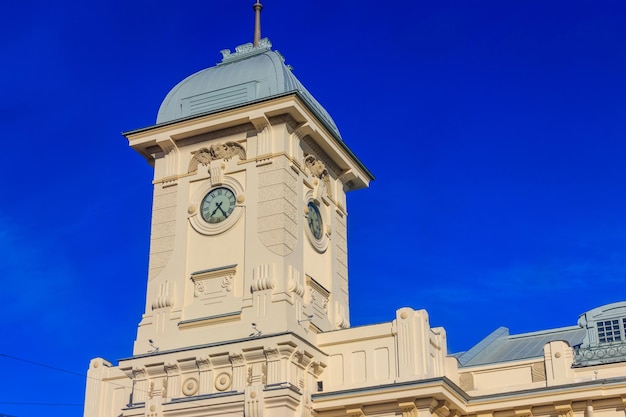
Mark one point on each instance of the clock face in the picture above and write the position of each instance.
(217, 205)
(315, 220)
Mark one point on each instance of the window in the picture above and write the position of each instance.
(610, 331)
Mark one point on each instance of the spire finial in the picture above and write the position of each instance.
(257, 22)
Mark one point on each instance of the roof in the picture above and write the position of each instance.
(251, 74)
(500, 346)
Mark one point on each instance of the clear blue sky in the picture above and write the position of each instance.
(495, 130)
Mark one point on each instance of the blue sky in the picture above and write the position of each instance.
(495, 130)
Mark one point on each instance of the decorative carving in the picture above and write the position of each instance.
(321, 155)
(207, 284)
(318, 297)
(188, 364)
(244, 50)
(200, 157)
(217, 151)
(315, 166)
(204, 364)
(237, 359)
(190, 386)
(317, 368)
(216, 173)
(155, 391)
(318, 170)
(227, 150)
(171, 368)
(408, 409)
(262, 278)
(426, 404)
(223, 381)
(263, 373)
(198, 288)
(295, 282)
(564, 410)
(443, 409)
(227, 283)
(253, 405)
(165, 297)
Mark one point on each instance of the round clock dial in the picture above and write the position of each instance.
(315, 220)
(217, 205)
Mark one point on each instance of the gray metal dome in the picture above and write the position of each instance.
(249, 75)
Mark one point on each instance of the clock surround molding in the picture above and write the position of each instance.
(194, 216)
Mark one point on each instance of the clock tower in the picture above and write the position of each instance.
(248, 247)
(249, 211)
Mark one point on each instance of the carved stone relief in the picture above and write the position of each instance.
(318, 170)
(190, 386)
(321, 155)
(215, 152)
(223, 381)
(213, 284)
(318, 297)
(212, 292)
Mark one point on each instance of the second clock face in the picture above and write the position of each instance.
(217, 205)
(315, 220)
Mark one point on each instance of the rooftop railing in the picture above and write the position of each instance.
(597, 355)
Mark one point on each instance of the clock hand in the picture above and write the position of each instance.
(222, 210)
(217, 208)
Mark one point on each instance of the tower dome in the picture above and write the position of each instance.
(250, 74)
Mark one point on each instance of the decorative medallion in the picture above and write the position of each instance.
(223, 381)
(190, 386)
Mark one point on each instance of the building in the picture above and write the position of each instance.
(247, 299)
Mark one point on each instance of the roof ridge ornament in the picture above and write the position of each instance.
(245, 50)
(257, 7)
